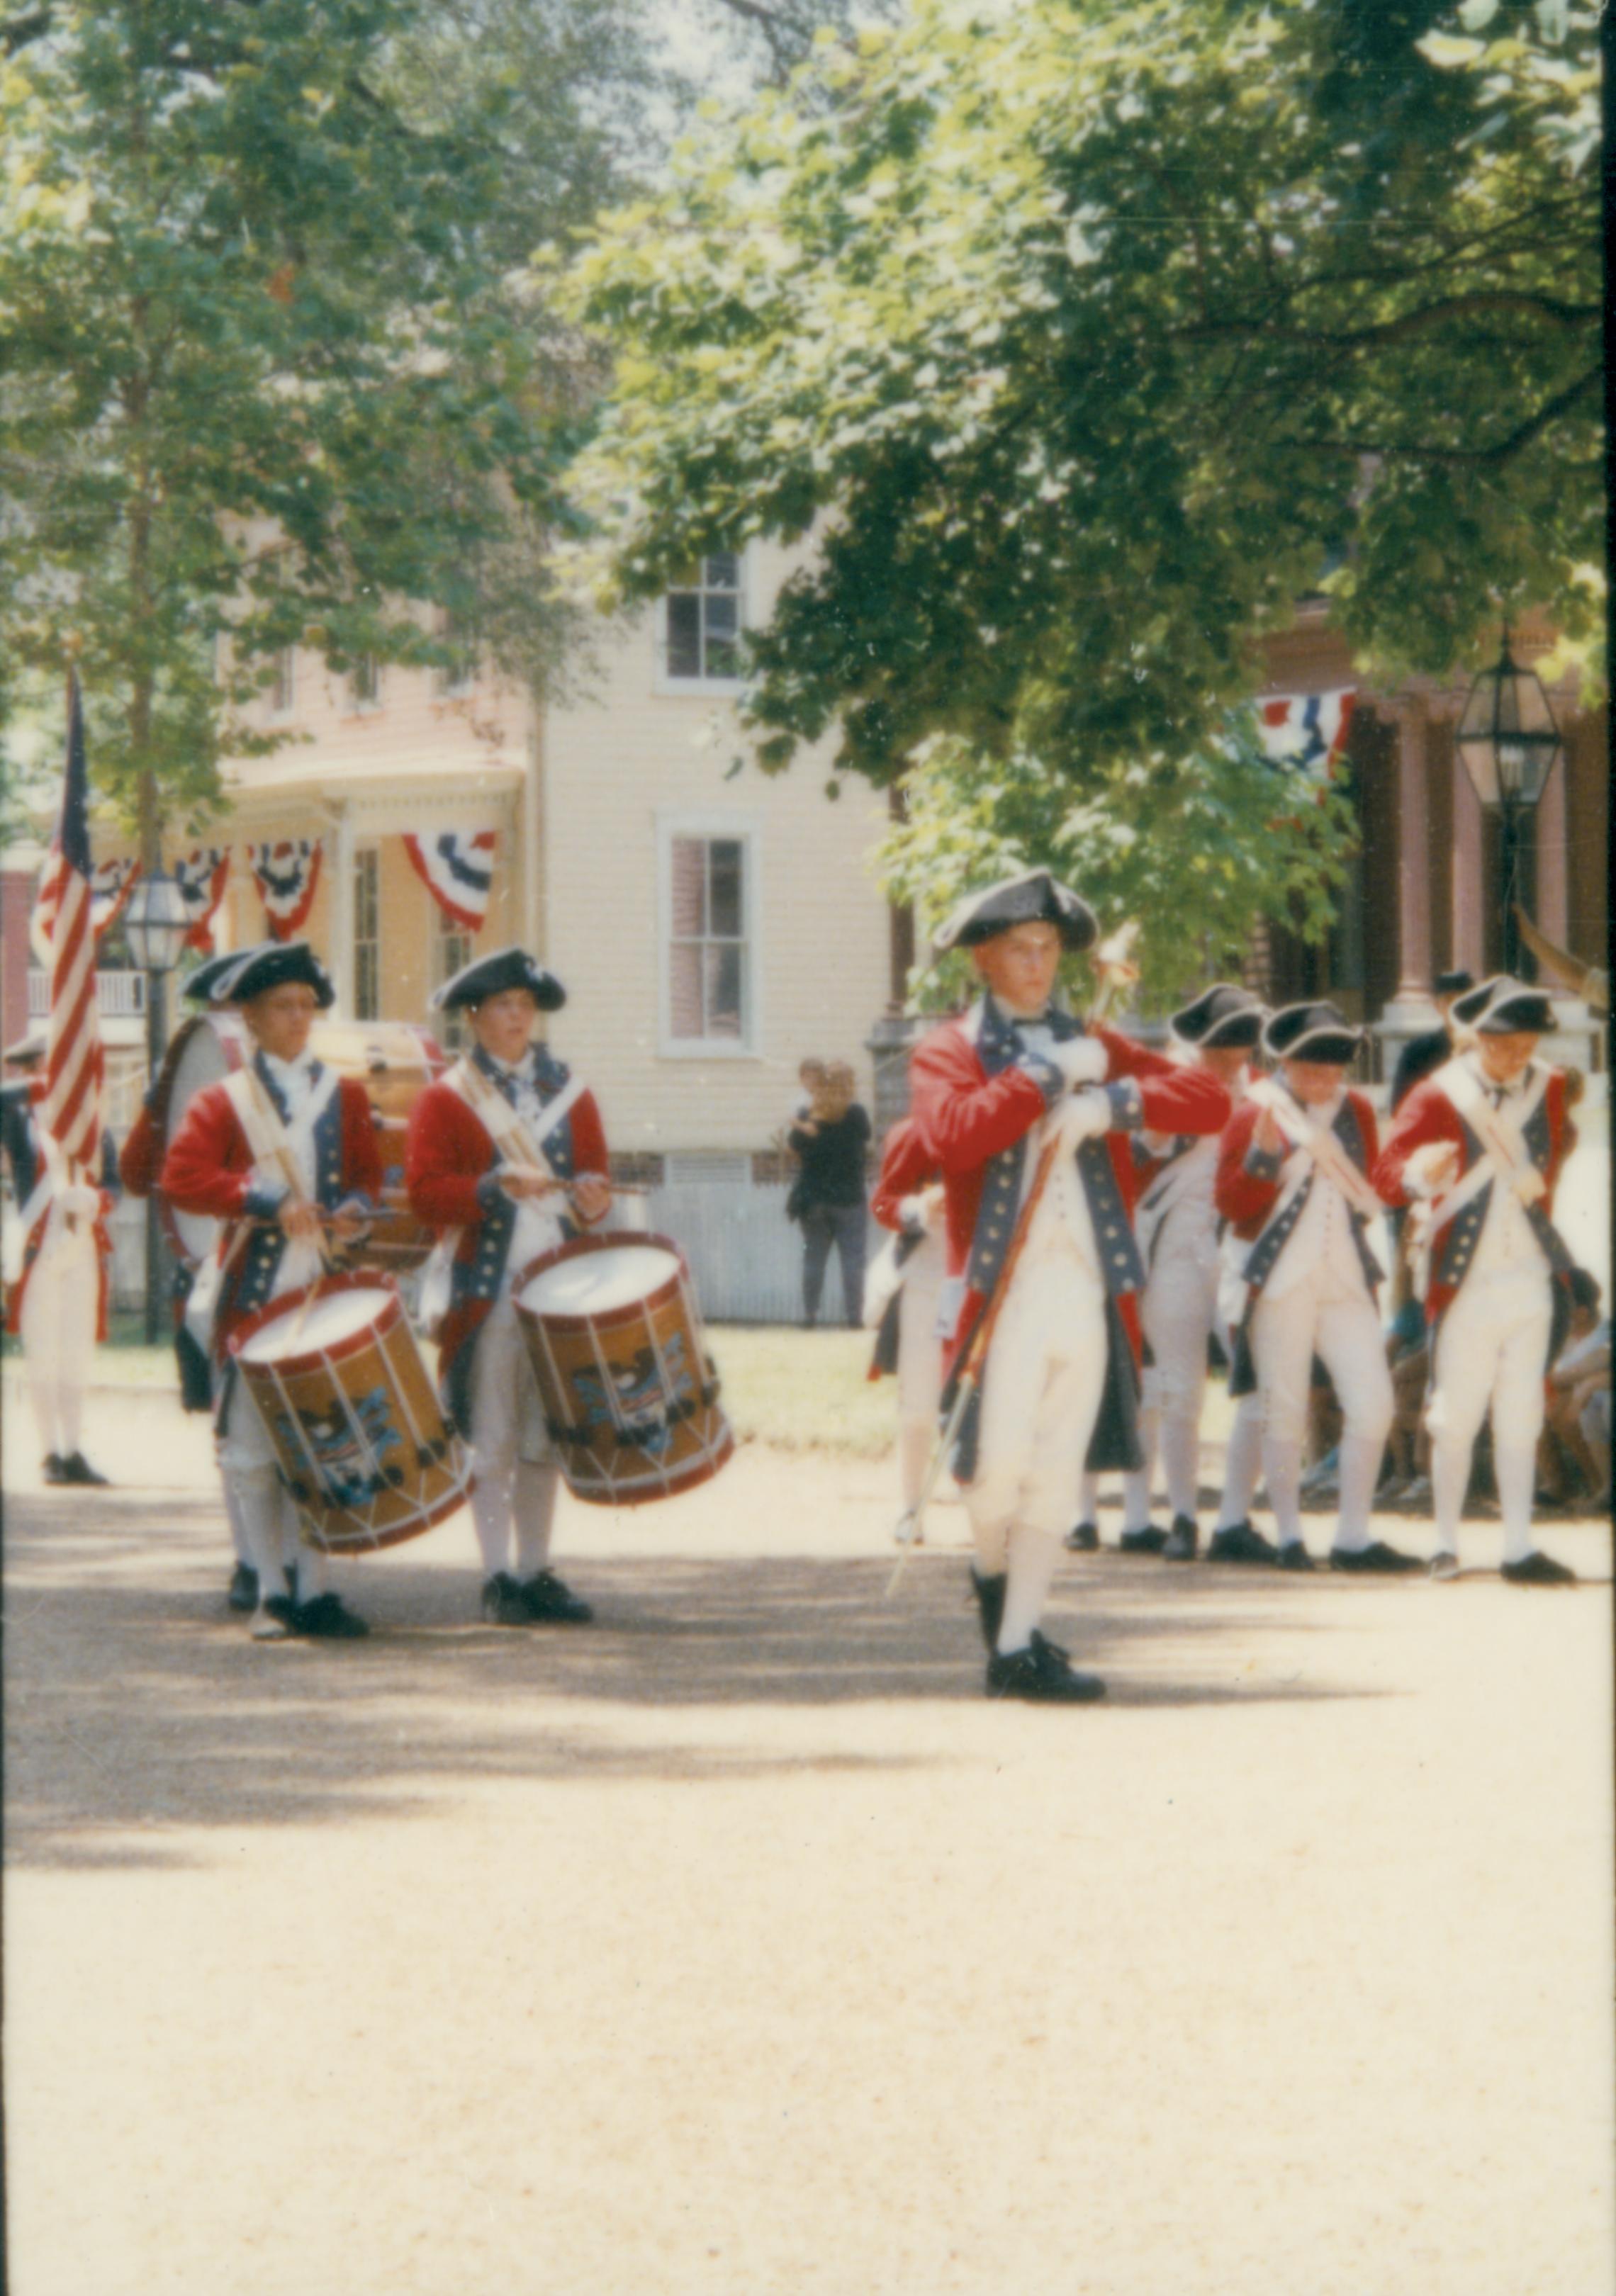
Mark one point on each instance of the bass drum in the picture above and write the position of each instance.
(393, 1059)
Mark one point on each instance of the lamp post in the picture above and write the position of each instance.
(1509, 741)
(155, 926)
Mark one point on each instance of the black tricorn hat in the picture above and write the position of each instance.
(1036, 897)
(1221, 1015)
(1453, 984)
(1501, 1006)
(1316, 1032)
(507, 968)
(30, 1047)
(200, 984)
(271, 965)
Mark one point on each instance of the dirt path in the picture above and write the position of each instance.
(739, 1945)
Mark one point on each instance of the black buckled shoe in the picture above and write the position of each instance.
(1377, 1558)
(990, 1603)
(1041, 1674)
(243, 1590)
(1149, 1540)
(79, 1469)
(1241, 1544)
(327, 1619)
(272, 1621)
(1538, 1570)
(1183, 1541)
(504, 1604)
(1084, 1538)
(1294, 1556)
(552, 1604)
(56, 1468)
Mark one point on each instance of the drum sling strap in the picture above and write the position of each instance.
(269, 1143)
(514, 1147)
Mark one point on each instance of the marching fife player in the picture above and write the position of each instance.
(283, 1151)
(1176, 1227)
(59, 1307)
(1060, 1385)
(1477, 1148)
(1293, 1176)
(908, 1198)
(497, 1150)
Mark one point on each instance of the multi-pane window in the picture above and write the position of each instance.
(365, 682)
(703, 608)
(459, 671)
(283, 683)
(367, 936)
(707, 990)
(451, 952)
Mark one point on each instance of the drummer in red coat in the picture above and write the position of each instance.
(1294, 1179)
(284, 1153)
(503, 1202)
(1060, 1384)
(1479, 1146)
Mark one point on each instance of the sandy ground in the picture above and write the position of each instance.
(738, 1944)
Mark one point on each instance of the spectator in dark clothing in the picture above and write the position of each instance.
(1423, 1055)
(830, 1142)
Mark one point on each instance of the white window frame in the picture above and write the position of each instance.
(285, 659)
(452, 1029)
(366, 705)
(664, 680)
(454, 683)
(743, 828)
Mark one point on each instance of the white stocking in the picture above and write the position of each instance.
(1032, 1558)
(1516, 1470)
(1242, 1465)
(535, 1512)
(1360, 1469)
(1282, 1464)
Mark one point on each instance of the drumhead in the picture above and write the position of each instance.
(319, 1328)
(595, 1281)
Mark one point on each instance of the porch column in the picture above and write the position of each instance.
(1413, 854)
(1471, 891)
(341, 953)
(1551, 911)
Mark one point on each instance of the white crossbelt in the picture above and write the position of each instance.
(1318, 1143)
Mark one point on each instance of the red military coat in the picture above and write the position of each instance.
(967, 1116)
(906, 1167)
(209, 1169)
(449, 1170)
(1245, 1199)
(1428, 1116)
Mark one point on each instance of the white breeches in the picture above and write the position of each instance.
(513, 1504)
(1491, 1353)
(1177, 1311)
(920, 1351)
(1044, 1379)
(1341, 1326)
(58, 1332)
(1329, 1315)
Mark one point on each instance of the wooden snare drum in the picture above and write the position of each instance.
(362, 1441)
(629, 1392)
(393, 1059)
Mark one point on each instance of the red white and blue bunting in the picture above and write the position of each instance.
(285, 869)
(457, 866)
(1306, 733)
(203, 876)
(110, 884)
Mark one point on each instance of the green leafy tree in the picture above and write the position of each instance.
(267, 377)
(1194, 849)
(1082, 338)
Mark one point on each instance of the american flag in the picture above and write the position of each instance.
(74, 1061)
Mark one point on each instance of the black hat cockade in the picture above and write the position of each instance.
(1036, 897)
(508, 968)
(1221, 1016)
(1503, 1007)
(1453, 984)
(272, 965)
(1315, 1032)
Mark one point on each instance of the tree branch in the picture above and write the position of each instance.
(1468, 457)
(1397, 330)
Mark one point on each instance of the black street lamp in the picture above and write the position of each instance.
(155, 926)
(1509, 741)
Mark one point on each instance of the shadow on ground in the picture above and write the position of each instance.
(136, 1700)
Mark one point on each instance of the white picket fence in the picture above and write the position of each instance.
(745, 1255)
